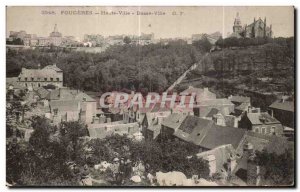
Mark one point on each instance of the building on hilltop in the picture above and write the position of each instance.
(258, 28)
(55, 37)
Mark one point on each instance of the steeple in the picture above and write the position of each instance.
(237, 25)
(237, 20)
(55, 28)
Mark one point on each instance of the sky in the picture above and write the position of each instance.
(176, 21)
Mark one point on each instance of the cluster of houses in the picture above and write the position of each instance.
(226, 130)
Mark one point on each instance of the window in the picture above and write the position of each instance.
(273, 130)
(257, 130)
(268, 130)
(25, 78)
(51, 79)
(57, 79)
(45, 79)
(26, 84)
(263, 130)
(39, 85)
(38, 79)
(32, 79)
(55, 111)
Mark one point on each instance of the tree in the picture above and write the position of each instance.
(203, 44)
(279, 168)
(127, 40)
(70, 132)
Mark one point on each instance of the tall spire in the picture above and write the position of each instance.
(55, 28)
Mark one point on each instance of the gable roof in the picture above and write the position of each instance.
(212, 112)
(221, 154)
(49, 71)
(193, 129)
(205, 133)
(285, 106)
(261, 118)
(53, 67)
(65, 105)
(215, 102)
(239, 99)
(42, 92)
(220, 135)
(242, 106)
(174, 120)
(81, 96)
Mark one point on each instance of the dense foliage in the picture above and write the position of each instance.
(44, 159)
(280, 169)
(149, 68)
(165, 156)
(245, 42)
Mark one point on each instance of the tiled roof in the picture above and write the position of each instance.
(221, 155)
(53, 67)
(205, 133)
(212, 112)
(99, 131)
(220, 135)
(239, 99)
(242, 106)
(81, 96)
(285, 106)
(191, 122)
(174, 120)
(65, 105)
(214, 102)
(49, 71)
(42, 92)
(261, 118)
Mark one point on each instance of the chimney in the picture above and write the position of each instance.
(258, 110)
(249, 109)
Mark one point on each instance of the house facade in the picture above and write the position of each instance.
(283, 111)
(260, 122)
(33, 78)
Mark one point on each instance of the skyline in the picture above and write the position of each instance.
(194, 20)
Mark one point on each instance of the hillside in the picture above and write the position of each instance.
(144, 68)
(264, 69)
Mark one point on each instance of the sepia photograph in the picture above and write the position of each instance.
(150, 96)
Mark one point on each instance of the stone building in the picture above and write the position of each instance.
(32, 78)
(258, 28)
(55, 37)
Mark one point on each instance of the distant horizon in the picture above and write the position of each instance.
(193, 20)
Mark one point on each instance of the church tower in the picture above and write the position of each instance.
(237, 25)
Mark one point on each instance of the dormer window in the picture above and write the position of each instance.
(51, 79)
(84, 99)
(45, 79)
